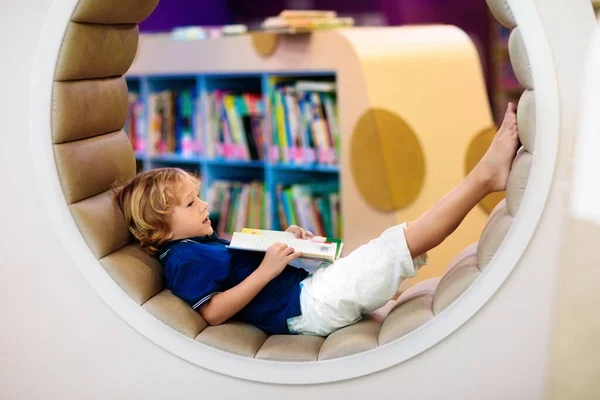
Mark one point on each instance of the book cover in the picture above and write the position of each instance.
(318, 248)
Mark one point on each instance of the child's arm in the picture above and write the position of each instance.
(225, 305)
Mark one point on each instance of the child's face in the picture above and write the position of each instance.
(190, 217)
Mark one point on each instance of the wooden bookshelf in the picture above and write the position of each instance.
(403, 132)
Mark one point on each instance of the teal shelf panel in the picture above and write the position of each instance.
(330, 169)
(175, 158)
(235, 163)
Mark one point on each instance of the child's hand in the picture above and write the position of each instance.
(300, 233)
(277, 257)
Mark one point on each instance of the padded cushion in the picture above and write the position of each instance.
(352, 339)
(405, 317)
(426, 287)
(88, 167)
(234, 337)
(502, 12)
(96, 51)
(176, 313)
(519, 59)
(135, 271)
(517, 181)
(469, 251)
(493, 234)
(526, 119)
(113, 11)
(290, 348)
(455, 282)
(101, 223)
(87, 108)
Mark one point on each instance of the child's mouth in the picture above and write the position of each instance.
(206, 221)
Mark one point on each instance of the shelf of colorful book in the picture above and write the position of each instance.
(240, 128)
(235, 205)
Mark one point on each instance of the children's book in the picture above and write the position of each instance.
(315, 251)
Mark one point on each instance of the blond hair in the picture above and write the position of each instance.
(147, 201)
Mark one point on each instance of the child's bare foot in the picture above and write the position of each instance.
(496, 163)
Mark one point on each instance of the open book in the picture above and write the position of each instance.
(315, 250)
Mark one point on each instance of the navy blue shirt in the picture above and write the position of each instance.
(200, 267)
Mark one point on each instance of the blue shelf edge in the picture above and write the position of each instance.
(307, 167)
(218, 162)
(176, 158)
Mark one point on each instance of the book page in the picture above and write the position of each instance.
(261, 242)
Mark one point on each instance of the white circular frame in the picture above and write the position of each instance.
(396, 352)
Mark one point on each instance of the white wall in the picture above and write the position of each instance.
(60, 340)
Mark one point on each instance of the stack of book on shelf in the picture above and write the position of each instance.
(315, 207)
(315, 250)
(136, 122)
(233, 125)
(170, 123)
(298, 21)
(207, 32)
(304, 119)
(234, 205)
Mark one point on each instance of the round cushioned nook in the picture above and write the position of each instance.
(92, 152)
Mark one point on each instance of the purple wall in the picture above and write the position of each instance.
(247, 10)
(171, 13)
(470, 15)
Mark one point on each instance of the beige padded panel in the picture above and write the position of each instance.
(176, 313)
(519, 59)
(88, 167)
(455, 282)
(137, 273)
(405, 318)
(93, 51)
(82, 109)
(234, 337)
(493, 234)
(352, 339)
(113, 11)
(517, 181)
(426, 287)
(526, 119)
(101, 224)
(423, 288)
(502, 12)
(290, 348)
(469, 251)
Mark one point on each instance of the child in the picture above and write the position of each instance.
(165, 215)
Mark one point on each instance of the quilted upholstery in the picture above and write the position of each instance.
(88, 108)
(519, 59)
(113, 11)
(92, 152)
(502, 12)
(526, 120)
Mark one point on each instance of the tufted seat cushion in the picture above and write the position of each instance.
(91, 151)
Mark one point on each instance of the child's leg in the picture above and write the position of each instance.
(368, 277)
(490, 175)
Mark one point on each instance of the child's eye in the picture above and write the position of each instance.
(191, 202)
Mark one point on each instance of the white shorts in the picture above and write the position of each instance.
(339, 294)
